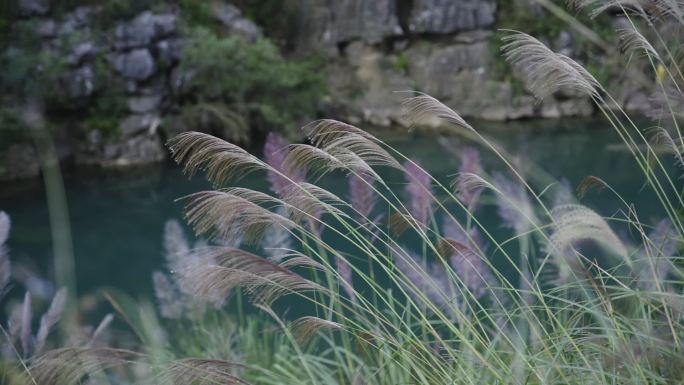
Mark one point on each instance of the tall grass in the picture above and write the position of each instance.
(571, 302)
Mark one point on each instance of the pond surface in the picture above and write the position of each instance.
(117, 219)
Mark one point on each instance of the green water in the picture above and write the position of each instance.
(117, 219)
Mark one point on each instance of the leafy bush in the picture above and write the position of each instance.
(252, 79)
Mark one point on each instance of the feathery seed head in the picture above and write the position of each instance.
(419, 191)
(546, 71)
(279, 177)
(470, 164)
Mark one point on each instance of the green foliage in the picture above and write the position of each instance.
(251, 78)
(402, 63)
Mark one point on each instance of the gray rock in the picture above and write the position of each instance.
(134, 151)
(19, 161)
(46, 28)
(225, 13)
(434, 67)
(137, 64)
(449, 16)
(137, 124)
(144, 29)
(77, 19)
(80, 82)
(246, 29)
(170, 51)
(33, 7)
(367, 20)
(143, 104)
(81, 51)
(232, 20)
(323, 25)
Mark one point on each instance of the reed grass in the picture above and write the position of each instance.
(577, 302)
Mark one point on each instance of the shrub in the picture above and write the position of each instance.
(252, 79)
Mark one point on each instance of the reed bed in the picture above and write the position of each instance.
(407, 286)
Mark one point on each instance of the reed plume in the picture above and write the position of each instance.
(66, 366)
(223, 214)
(470, 164)
(362, 196)
(573, 224)
(264, 280)
(469, 265)
(277, 242)
(419, 191)
(5, 265)
(25, 329)
(322, 132)
(657, 253)
(221, 160)
(50, 318)
(422, 108)
(426, 282)
(279, 177)
(546, 71)
(169, 300)
(202, 371)
(305, 327)
(515, 207)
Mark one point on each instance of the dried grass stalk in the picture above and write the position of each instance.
(422, 108)
(263, 280)
(223, 214)
(305, 327)
(203, 371)
(66, 366)
(50, 318)
(221, 160)
(546, 71)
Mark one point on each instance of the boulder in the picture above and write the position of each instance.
(233, 22)
(46, 28)
(137, 64)
(81, 51)
(138, 144)
(144, 29)
(77, 19)
(80, 82)
(139, 124)
(135, 151)
(323, 26)
(369, 20)
(33, 7)
(449, 16)
(170, 51)
(144, 104)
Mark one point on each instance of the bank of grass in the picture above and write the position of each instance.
(341, 297)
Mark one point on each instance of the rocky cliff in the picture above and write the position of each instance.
(368, 49)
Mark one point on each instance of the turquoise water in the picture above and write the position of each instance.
(117, 219)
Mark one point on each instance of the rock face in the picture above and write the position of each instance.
(137, 64)
(34, 7)
(144, 29)
(371, 47)
(449, 16)
(138, 144)
(233, 22)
